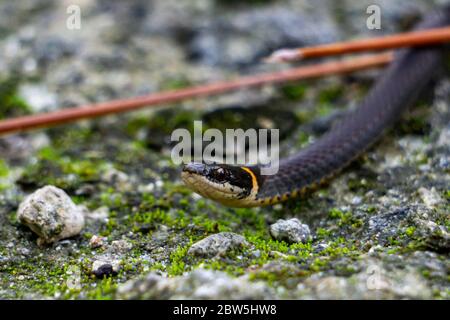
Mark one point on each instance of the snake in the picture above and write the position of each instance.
(397, 88)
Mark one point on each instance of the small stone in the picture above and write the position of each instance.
(103, 268)
(291, 231)
(120, 246)
(218, 244)
(96, 242)
(50, 213)
(24, 251)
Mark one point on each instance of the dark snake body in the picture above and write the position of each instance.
(399, 87)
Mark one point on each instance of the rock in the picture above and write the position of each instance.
(109, 263)
(218, 244)
(199, 284)
(51, 214)
(96, 242)
(120, 246)
(105, 268)
(291, 231)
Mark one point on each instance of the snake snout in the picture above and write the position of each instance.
(195, 168)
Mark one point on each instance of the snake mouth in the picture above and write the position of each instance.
(198, 182)
(221, 193)
(219, 182)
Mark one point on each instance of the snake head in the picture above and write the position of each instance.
(229, 185)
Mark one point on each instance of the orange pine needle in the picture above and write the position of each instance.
(416, 38)
(95, 110)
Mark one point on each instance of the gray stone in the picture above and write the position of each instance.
(218, 244)
(291, 231)
(51, 214)
(120, 246)
(96, 242)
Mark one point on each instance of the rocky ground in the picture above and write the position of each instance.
(379, 230)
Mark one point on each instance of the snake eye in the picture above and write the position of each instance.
(220, 174)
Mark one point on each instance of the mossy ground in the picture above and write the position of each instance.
(163, 223)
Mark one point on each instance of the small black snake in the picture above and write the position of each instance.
(398, 88)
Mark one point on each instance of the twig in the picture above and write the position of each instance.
(100, 109)
(416, 38)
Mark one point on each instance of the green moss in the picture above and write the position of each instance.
(178, 259)
(447, 194)
(410, 231)
(324, 109)
(176, 83)
(269, 277)
(371, 209)
(112, 199)
(294, 92)
(302, 139)
(393, 241)
(345, 218)
(104, 290)
(4, 170)
(154, 217)
(11, 105)
(416, 121)
(330, 94)
(49, 153)
(318, 264)
(323, 233)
